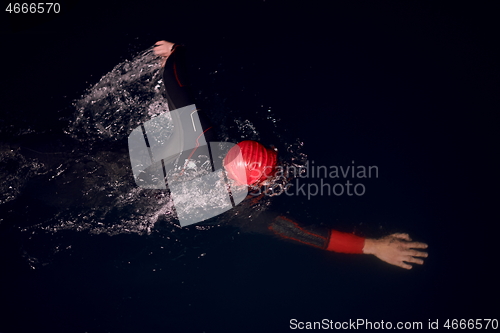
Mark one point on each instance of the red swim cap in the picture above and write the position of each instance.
(249, 162)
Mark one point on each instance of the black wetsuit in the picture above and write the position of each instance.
(178, 88)
(179, 94)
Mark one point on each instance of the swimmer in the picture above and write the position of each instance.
(396, 249)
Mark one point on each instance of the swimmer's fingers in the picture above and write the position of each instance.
(402, 264)
(415, 253)
(416, 245)
(414, 260)
(405, 260)
(163, 48)
(402, 236)
(413, 256)
(160, 44)
(161, 51)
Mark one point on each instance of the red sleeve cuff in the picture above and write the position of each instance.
(345, 243)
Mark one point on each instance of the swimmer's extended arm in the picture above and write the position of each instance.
(395, 249)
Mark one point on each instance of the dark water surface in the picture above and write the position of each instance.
(409, 89)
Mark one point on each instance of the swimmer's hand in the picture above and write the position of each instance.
(396, 249)
(163, 49)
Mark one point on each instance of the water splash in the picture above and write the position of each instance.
(123, 99)
(247, 129)
(15, 171)
(91, 188)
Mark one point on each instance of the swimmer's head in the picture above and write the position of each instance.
(249, 163)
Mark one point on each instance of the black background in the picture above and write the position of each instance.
(410, 87)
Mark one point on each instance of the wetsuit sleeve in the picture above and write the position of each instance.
(175, 78)
(323, 238)
(178, 88)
